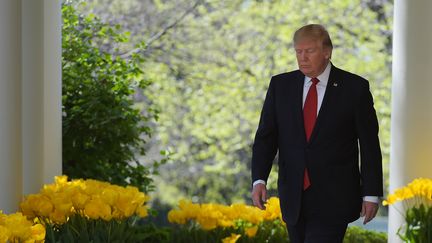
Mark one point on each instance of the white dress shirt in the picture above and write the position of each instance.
(321, 88)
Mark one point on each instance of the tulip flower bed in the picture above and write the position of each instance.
(87, 211)
(95, 211)
(242, 224)
(235, 223)
(17, 228)
(210, 216)
(416, 200)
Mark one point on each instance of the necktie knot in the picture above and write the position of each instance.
(314, 81)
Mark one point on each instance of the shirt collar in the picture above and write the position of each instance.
(323, 77)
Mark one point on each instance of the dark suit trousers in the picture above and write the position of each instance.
(312, 227)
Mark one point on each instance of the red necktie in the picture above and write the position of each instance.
(309, 116)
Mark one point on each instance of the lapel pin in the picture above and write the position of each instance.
(335, 84)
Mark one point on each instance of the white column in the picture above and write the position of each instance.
(30, 97)
(10, 105)
(41, 77)
(411, 131)
(52, 90)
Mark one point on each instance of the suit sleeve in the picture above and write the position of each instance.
(265, 144)
(370, 152)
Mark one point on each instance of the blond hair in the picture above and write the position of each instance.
(314, 32)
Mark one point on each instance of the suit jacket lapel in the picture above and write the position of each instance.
(330, 93)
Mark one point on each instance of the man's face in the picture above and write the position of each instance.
(312, 57)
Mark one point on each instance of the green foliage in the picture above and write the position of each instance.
(418, 224)
(196, 234)
(81, 229)
(273, 232)
(356, 234)
(270, 231)
(211, 70)
(212, 86)
(102, 131)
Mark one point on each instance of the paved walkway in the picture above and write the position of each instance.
(378, 224)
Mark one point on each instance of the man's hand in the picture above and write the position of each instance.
(369, 210)
(259, 195)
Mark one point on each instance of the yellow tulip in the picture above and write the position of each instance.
(63, 204)
(39, 204)
(251, 232)
(176, 216)
(142, 211)
(58, 217)
(109, 196)
(79, 200)
(4, 234)
(418, 188)
(60, 180)
(18, 226)
(38, 232)
(231, 239)
(124, 206)
(96, 209)
(26, 209)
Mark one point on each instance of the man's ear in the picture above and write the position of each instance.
(328, 53)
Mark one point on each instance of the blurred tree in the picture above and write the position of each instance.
(211, 62)
(102, 130)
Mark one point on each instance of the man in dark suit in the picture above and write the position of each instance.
(319, 117)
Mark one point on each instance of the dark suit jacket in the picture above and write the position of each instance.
(346, 124)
